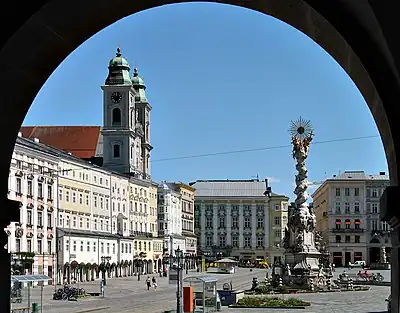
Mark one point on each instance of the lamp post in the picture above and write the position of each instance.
(176, 263)
(104, 259)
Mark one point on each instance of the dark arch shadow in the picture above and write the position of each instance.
(37, 40)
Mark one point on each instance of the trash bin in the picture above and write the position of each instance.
(35, 307)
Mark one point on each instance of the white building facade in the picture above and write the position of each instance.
(170, 218)
(235, 218)
(33, 182)
(350, 202)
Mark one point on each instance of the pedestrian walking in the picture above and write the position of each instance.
(148, 282)
(154, 281)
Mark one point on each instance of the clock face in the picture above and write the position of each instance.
(116, 97)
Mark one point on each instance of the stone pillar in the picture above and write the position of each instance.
(215, 224)
(389, 212)
(241, 224)
(229, 224)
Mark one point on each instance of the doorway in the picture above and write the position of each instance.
(347, 258)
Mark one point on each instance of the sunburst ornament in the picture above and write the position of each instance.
(301, 129)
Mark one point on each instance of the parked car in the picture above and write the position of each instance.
(358, 264)
(389, 303)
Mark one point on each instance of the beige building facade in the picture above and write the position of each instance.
(347, 211)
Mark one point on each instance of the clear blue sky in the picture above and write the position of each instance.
(221, 78)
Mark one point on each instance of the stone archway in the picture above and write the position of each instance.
(34, 47)
(150, 268)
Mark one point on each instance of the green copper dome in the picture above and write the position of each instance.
(118, 71)
(137, 81)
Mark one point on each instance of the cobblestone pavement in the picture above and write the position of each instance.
(128, 295)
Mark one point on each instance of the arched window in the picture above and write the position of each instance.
(117, 151)
(116, 116)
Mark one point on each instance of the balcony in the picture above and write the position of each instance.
(347, 230)
(141, 234)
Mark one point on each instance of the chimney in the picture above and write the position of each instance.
(36, 140)
(382, 173)
(19, 134)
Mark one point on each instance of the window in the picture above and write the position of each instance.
(19, 185)
(74, 221)
(277, 221)
(80, 198)
(209, 222)
(29, 245)
(337, 192)
(374, 193)
(114, 248)
(235, 241)
(357, 239)
(94, 246)
(95, 201)
(260, 222)
(29, 217)
(347, 239)
(106, 204)
(338, 238)
(117, 151)
(374, 207)
(67, 245)
(102, 247)
(209, 241)
(50, 192)
(222, 241)
(235, 222)
(247, 222)
(74, 247)
(67, 195)
(40, 219)
(73, 196)
(108, 248)
(30, 188)
(17, 245)
(87, 223)
(49, 218)
(356, 192)
(247, 241)
(116, 116)
(278, 234)
(39, 246)
(88, 246)
(101, 224)
(222, 222)
(60, 194)
(40, 190)
(49, 247)
(347, 192)
(347, 208)
(260, 241)
(87, 200)
(338, 223)
(81, 246)
(101, 203)
(357, 207)
(357, 224)
(374, 225)
(347, 224)
(95, 224)
(337, 207)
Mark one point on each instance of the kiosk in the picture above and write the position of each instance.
(227, 266)
(205, 297)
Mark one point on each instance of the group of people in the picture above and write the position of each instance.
(150, 282)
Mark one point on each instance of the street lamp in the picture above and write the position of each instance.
(176, 263)
(104, 260)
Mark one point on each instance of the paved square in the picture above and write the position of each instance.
(128, 295)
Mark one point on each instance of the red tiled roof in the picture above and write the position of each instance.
(81, 141)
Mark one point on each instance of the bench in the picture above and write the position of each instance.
(21, 310)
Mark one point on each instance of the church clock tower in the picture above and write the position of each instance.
(124, 122)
